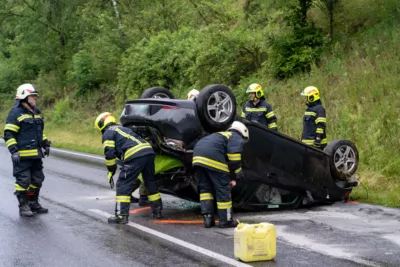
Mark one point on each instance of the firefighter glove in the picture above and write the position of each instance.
(110, 179)
(240, 176)
(15, 157)
(47, 151)
(112, 168)
(46, 146)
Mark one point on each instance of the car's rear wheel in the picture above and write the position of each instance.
(216, 106)
(157, 92)
(343, 158)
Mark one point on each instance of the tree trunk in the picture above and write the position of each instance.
(62, 38)
(331, 20)
(114, 2)
(304, 6)
(246, 7)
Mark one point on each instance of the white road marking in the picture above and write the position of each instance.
(329, 250)
(395, 238)
(68, 152)
(78, 154)
(180, 242)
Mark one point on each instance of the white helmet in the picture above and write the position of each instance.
(25, 90)
(193, 94)
(241, 128)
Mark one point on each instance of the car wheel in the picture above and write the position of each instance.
(157, 92)
(343, 158)
(216, 107)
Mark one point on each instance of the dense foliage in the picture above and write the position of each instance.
(127, 46)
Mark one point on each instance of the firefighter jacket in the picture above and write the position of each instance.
(221, 151)
(314, 124)
(23, 132)
(261, 112)
(122, 143)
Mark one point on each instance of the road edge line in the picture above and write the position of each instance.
(179, 242)
(77, 154)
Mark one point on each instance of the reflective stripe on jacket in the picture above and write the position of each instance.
(261, 112)
(219, 151)
(23, 132)
(314, 124)
(122, 143)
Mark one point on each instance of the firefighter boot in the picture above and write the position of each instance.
(119, 219)
(207, 209)
(34, 201)
(209, 220)
(121, 216)
(225, 218)
(134, 199)
(156, 208)
(24, 209)
(144, 201)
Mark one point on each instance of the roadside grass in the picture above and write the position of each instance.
(360, 91)
(377, 189)
(75, 137)
(70, 125)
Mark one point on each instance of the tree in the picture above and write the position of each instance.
(328, 7)
(298, 45)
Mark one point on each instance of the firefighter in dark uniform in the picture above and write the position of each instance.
(217, 161)
(258, 109)
(24, 137)
(137, 156)
(143, 200)
(314, 121)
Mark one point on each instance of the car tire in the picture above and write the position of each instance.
(343, 158)
(157, 92)
(216, 107)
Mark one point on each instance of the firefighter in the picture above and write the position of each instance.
(314, 121)
(217, 161)
(258, 109)
(137, 157)
(143, 200)
(193, 94)
(24, 137)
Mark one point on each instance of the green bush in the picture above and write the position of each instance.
(226, 56)
(187, 59)
(96, 65)
(62, 113)
(294, 50)
(9, 77)
(160, 61)
(51, 88)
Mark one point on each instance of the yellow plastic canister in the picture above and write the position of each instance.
(255, 242)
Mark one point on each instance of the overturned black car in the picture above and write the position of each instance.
(280, 172)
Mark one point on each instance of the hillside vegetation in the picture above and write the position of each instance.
(87, 57)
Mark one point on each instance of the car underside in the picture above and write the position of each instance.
(280, 172)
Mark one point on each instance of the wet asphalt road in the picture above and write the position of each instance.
(73, 234)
